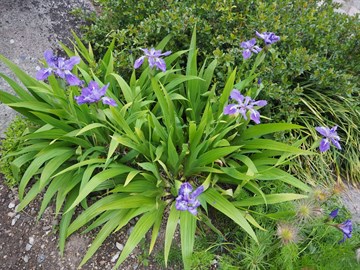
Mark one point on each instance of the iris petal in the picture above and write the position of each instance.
(109, 101)
(43, 73)
(139, 62)
(255, 116)
(72, 79)
(324, 145)
(69, 64)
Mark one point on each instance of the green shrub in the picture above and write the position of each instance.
(12, 142)
(168, 132)
(318, 52)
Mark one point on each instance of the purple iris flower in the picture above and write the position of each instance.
(187, 198)
(334, 213)
(59, 66)
(93, 93)
(249, 47)
(346, 228)
(244, 104)
(268, 37)
(154, 59)
(330, 136)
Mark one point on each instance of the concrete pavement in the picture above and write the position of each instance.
(27, 29)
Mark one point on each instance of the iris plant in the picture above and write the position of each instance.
(93, 93)
(187, 198)
(154, 59)
(244, 104)
(334, 213)
(330, 136)
(250, 48)
(346, 228)
(59, 66)
(268, 37)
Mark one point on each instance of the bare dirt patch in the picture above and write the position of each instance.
(26, 243)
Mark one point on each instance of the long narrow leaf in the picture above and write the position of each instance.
(187, 231)
(170, 230)
(227, 208)
(270, 199)
(141, 228)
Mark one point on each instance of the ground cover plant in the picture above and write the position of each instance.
(11, 143)
(311, 79)
(308, 234)
(167, 146)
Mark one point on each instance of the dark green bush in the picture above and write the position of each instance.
(318, 52)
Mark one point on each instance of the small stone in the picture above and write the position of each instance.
(115, 257)
(31, 240)
(119, 246)
(11, 214)
(102, 262)
(130, 230)
(13, 221)
(12, 41)
(46, 228)
(28, 247)
(41, 258)
(26, 258)
(11, 205)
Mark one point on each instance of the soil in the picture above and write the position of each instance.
(26, 243)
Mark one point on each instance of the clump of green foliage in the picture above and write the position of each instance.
(12, 142)
(311, 78)
(315, 244)
(141, 151)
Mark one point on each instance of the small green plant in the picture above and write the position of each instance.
(167, 146)
(12, 142)
(307, 234)
(174, 259)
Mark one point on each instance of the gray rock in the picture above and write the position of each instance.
(46, 228)
(129, 231)
(11, 205)
(31, 240)
(13, 221)
(26, 258)
(28, 247)
(41, 258)
(115, 257)
(11, 214)
(119, 246)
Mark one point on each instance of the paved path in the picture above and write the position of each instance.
(27, 29)
(350, 7)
